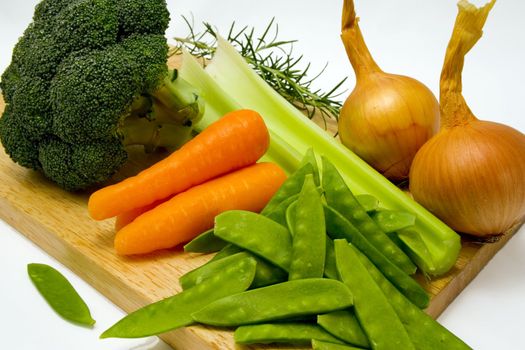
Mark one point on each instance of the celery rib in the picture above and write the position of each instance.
(293, 134)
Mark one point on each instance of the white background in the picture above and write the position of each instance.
(406, 37)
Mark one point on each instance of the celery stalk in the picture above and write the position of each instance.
(235, 84)
(219, 102)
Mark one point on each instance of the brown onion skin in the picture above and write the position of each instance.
(386, 119)
(472, 177)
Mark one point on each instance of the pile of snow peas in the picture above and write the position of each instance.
(318, 266)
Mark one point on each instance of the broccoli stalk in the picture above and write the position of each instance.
(157, 120)
(176, 92)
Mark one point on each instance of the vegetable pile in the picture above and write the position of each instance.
(315, 268)
(229, 84)
(304, 254)
(87, 78)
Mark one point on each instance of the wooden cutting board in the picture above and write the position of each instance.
(58, 222)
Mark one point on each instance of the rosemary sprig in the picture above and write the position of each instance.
(273, 60)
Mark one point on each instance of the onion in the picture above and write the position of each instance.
(472, 173)
(387, 117)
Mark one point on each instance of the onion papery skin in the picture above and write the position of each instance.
(472, 177)
(386, 119)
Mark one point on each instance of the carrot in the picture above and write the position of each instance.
(236, 140)
(192, 212)
(127, 217)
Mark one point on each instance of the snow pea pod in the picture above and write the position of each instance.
(344, 325)
(228, 250)
(339, 197)
(206, 242)
(278, 214)
(59, 294)
(285, 300)
(291, 186)
(206, 271)
(330, 269)
(175, 312)
(424, 332)
(290, 333)
(416, 248)
(368, 202)
(290, 217)
(309, 238)
(338, 227)
(309, 158)
(392, 220)
(375, 314)
(265, 272)
(323, 345)
(257, 234)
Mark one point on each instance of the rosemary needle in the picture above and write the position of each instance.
(272, 60)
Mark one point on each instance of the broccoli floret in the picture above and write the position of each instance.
(9, 81)
(87, 79)
(87, 24)
(80, 166)
(32, 105)
(17, 142)
(144, 17)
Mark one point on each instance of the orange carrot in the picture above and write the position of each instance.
(236, 140)
(127, 217)
(192, 212)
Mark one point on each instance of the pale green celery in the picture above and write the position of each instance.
(219, 102)
(293, 134)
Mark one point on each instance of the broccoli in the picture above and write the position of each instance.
(87, 79)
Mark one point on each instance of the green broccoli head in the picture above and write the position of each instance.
(144, 17)
(80, 166)
(88, 78)
(17, 142)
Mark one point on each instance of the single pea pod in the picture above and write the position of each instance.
(175, 312)
(281, 301)
(278, 214)
(338, 227)
(424, 332)
(59, 294)
(309, 234)
(265, 272)
(290, 218)
(393, 220)
(257, 234)
(206, 242)
(324, 345)
(344, 325)
(206, 271)
(291, 186)
(309, 158)
(339, 197)
(330, 268)
(282, 214)
(375, 314)
(289, 333)
(228, 250)
(416, 248)
(368, 202)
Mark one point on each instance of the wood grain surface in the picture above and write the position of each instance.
(58, 222)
